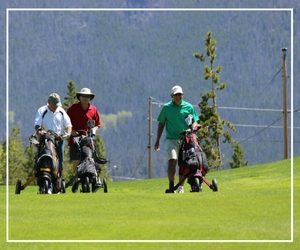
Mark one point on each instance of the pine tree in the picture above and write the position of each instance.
(16, 156)
(101, 151)
(30, 154)
(238, 156)
(71, 95)
(214, 128)
(2, 163)
(69, 100)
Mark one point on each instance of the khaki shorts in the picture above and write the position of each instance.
(172, 149)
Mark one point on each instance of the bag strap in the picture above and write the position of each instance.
(45, 112)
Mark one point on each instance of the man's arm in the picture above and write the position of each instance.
(160, 130)
(69, 130)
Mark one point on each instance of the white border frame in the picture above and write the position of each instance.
(154, 10)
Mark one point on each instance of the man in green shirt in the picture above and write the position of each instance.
(172, 116)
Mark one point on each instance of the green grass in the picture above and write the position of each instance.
(253, 203)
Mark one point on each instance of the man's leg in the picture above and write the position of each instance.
(181, 180)
(60, 154)
(172, 173)
(75, 160)
(172, 151)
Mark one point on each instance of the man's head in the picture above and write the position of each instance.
(54, 101)
(85, 94)
(176, 90)
(176, 94)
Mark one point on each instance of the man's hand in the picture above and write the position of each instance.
(195, 126)
(160, 129)
(40, 131)
(65, 136)
(156, 146)
(74, 133)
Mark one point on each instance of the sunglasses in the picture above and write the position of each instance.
(86, 96)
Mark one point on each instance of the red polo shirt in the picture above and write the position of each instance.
(79, 117)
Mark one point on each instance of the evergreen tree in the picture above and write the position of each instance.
(69, 99)
(2, 163)
(100, 145)
(214, 128)
(29, 159)
(101, 151)
(16, 156)
(71, 95)
(238, 156)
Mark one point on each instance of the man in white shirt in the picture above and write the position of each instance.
(53, 117)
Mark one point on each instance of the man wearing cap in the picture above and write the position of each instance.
(172, 116)
(79, 114)
(53, 117)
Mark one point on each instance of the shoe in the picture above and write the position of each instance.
(169, 191)
(180, 190)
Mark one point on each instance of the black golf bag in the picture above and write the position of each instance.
(46, 170)
(88, 170)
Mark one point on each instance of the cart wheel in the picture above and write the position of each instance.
(86, 185)
(44, 186)
(75, 187)
(18, 187)
(63, 186)
(196, 185)
(214, 185)
(104, 185)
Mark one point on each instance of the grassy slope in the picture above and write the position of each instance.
(253, 203)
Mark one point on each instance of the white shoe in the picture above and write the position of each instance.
(180, 190)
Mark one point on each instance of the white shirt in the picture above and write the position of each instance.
(57, 121)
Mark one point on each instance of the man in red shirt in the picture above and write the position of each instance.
(79, 114)
(83, 111)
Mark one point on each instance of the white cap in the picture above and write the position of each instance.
(176, 90)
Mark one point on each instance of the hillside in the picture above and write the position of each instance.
(252, 204)
(127, 56)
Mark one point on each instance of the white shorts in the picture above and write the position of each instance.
(172, 149)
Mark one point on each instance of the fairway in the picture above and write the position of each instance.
(253, 203)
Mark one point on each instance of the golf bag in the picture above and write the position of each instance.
(192, 160)
(88, 170)
(47, 171)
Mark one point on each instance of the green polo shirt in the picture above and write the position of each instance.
(174, 116)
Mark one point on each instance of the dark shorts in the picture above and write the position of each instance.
(74, 152)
